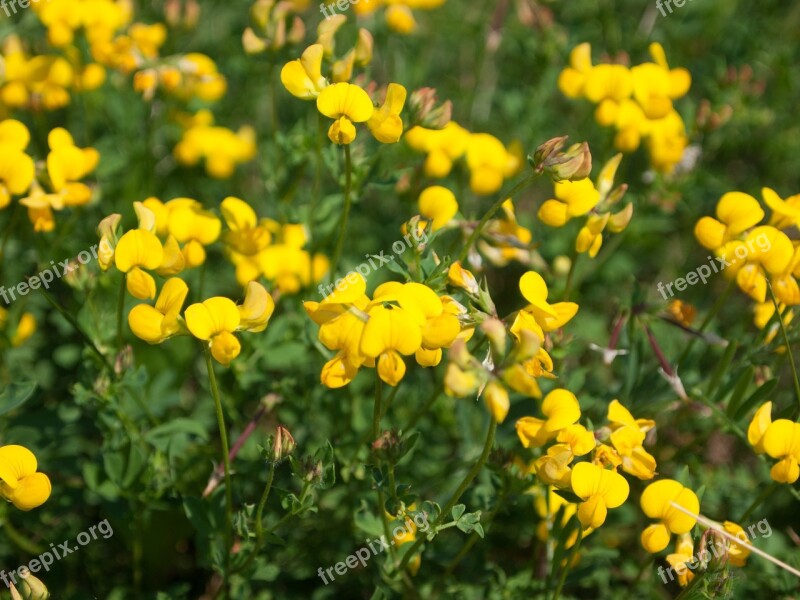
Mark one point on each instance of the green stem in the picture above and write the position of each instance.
(474, 537)
(769, 490)
(76, 326)
(261, 504)
(20, 540)
(120, 311)
(376, 413)
(472, 474)
(12, 221)
(223, 434)
(476, 233)
(348, 188)
(570, 275)
(312, 241)
(138, 551)
(786, 343)
(425, 409)
(567, 562)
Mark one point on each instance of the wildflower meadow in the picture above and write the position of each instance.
(419, 299)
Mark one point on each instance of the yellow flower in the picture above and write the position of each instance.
(25, 329)
(67, 164)
(21, 484)
(442, 146)
(347, 104)
(553, 468)
(655, 85)
(782, 441)
(214, 320)
(194, 227)
(438, 204)
(684, 553)
(506, 239)
(246, 235)
(600, 489)
(580, 440)
(16, 168)
(561, 408)
(257, 308)
(221, 148)
(496, 397)
(608, 82)
(656, 502)
(137, 250)
(759, 424)
(627, 438)
(572, 80)
(737, 553)
(573, 199)
(458, 276)
(736, 212)
(385, 123)
(157, 324)
(489, 163)
(785, 213)
(540, 316)
(390, 332)
(303, 77)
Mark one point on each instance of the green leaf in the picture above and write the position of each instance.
(15, 395)
(721, 368)
(756, 398)
(742, 383)
(457, 511)
(569, 496)
(177, 426)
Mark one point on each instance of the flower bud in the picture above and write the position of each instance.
(575, 164)
(423, 105)
(546, 151)
(528, 345)
(496, 397)
(496, 332)
(252, 43)
(283, 444)
(30, 588)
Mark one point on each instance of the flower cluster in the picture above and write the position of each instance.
(185, 227)
(757, 256)
(276, 25)
(265, 248)
(400, 320)
(636, 101)
(220, 148)
(778, 439)
(516, 369)
(43, 82)
(577, 198)
(399, 15)
(57, 185)
(338, 99)
(490, 163)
